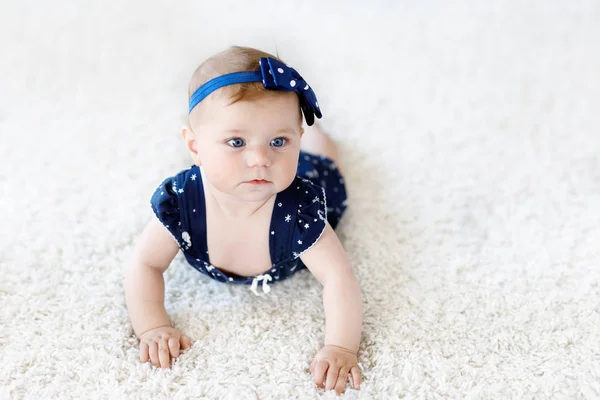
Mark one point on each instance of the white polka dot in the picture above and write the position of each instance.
(292, 83)
(230, 279)
(264, 83)
(306, 87)
(317, 104)
(259, 62)
(280, 70)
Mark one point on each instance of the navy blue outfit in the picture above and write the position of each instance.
(316, 195)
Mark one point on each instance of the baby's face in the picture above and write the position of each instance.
(251, 139)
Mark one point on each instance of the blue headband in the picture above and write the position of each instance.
(274, 75)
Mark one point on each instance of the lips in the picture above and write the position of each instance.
(257, 181)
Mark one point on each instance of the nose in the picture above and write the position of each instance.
(258, 156)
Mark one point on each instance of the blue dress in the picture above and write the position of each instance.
(316, 195)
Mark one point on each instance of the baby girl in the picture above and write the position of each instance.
(260, 203)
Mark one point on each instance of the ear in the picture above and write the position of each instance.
(189, 138)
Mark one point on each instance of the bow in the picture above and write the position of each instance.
(278, 76)
(265, 281)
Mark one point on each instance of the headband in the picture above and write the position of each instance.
(274, 75)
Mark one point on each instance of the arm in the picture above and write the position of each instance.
(144, 283)
(342, 298)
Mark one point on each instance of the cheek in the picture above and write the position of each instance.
(289, 168)
(292, 164)
(225, 167)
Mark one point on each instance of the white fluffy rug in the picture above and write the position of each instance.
(470, 137)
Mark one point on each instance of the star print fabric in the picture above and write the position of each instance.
(298, 219)
(311, 218)
(323, 172)
(166, 208)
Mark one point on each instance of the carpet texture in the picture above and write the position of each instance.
(470, 140)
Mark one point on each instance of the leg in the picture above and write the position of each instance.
(315, 141)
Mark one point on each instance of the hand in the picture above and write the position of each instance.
(161, 344)
(337, 362)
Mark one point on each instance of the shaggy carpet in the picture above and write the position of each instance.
(470, 147)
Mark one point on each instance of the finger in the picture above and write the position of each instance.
(144, 356)
(342, 379)
(174, 347)
(332, 376)
(320, 371)
(153, 350)
(356, 378)
(163, 353)
(185, 342)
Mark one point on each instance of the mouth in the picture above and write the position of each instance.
(258, 182)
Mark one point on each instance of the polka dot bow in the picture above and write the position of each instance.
(278, 76)
(274, 75)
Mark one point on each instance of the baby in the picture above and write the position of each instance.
(262, 199)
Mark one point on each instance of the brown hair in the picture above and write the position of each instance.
(234, 59)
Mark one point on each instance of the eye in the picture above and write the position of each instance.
(236, 142)
(279, 142)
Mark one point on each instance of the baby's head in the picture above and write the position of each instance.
(242, 132)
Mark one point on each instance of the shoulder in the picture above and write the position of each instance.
(176, 184)
(311, 218)
(307, 192)
(170, 189)
(170, 199)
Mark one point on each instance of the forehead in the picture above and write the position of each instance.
(269, 109)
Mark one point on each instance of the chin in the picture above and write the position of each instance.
(257, 196)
